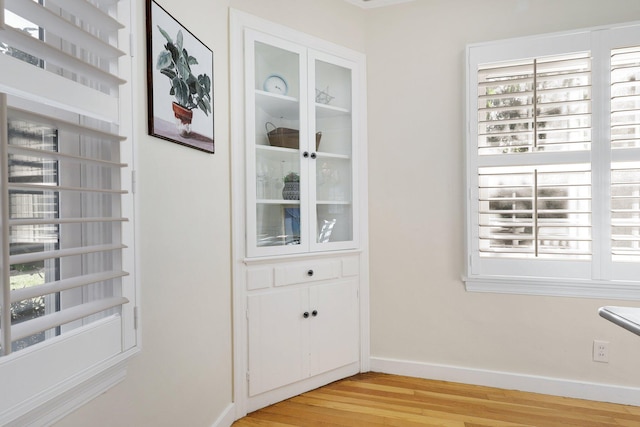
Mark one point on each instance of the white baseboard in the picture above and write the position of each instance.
(510, 381)
(227, 417)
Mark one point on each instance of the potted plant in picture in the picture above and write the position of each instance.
(189, 91)
(291, 190)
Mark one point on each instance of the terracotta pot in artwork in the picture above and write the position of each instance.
(183, 119)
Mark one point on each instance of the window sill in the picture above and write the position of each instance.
(50, 381)
(620, 290)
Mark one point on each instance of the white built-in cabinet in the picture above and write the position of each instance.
(300, 224)
(301, 331)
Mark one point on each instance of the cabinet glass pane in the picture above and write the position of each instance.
(277, 158)
(278, 224)
(334, 196)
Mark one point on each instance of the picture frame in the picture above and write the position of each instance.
(179, 82)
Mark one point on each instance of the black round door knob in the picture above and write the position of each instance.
(305, 314)
(314, 313)
(305, 154)
(313, 155)
(310, 273)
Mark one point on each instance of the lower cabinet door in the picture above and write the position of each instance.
(298, 333)
(334, 337)
(278, 339)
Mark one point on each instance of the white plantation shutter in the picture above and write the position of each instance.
(535, 208)
(553, 164)
(65, 172)
(542, 104)
(625, 145)
(535, 211)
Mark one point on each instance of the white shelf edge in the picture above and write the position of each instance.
(328, 111)
(321, 154)
(277, 202)
(333, 202)
(326, 155)
(266, 94)
(275, 149)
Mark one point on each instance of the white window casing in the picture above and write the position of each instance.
(553, 164)
(68, 290)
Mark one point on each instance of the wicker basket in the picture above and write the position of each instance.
(285, 137)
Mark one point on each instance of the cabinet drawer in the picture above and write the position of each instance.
(259, 278)
(307, 271)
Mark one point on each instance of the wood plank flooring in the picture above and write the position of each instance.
(374, 399)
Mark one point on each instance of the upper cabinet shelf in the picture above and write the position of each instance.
(278, 105)
(326, 111)
(288, 107)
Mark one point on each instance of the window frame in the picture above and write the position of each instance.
(599, 277)
(32, 393)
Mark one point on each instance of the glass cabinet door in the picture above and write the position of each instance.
(276, 123)
(300, 165)
(332, 214)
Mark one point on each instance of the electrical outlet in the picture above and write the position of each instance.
(601, 351)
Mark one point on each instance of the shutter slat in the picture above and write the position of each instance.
(41, 256)
(87, 12)
(21, 114)
(44, 51)
(58, 318)
(64, 285)
(61, 27)
(623, 238)
(49, 187)
(529, 223)
(622, 222)
(33, 152)
(50, 221)
(51, 89)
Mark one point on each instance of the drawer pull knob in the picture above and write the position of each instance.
(310, 273)
(305, 154)
(314, 313)
(313, 155)
(305, 314)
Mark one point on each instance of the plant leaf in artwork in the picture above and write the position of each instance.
(191, 60)
(179, 40)
(205, 81)
(175, 53)
(204, 106)
(183, 69)
(185, 59)
(169, 73)
(194, 87)
(182, 92)
(164, 60)
(166, 36)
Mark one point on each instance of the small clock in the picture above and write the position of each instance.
(276, 84)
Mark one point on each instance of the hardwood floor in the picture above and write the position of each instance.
(374, 399)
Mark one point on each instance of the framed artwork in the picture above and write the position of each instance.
(179, 82)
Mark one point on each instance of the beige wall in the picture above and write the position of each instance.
(182, 377)
(419, 308)
(420, 311)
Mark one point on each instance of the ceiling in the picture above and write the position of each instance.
(369, 4)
